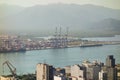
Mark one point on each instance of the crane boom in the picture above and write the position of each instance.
(11, 67)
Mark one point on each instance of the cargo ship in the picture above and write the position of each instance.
(90, 45)
(13, 50)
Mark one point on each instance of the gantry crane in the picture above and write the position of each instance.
(11, 67)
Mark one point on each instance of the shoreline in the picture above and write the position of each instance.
(70, 46)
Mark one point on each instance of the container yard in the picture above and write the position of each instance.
(13, 43)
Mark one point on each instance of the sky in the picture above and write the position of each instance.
(115, 4)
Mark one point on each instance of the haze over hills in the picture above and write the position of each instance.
(8, 10)
(81, 19)
(107, 26)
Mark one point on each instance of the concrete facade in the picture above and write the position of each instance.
(44, 72)
(59, 78)
(110, 61)
(78, 72)
(108, 73)
(102, 75)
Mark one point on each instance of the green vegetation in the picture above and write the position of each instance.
(23, 77)
(27, 77)
(7, 75)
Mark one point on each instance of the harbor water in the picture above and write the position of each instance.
(25, 62)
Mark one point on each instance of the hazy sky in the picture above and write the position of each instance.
(107, 3)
